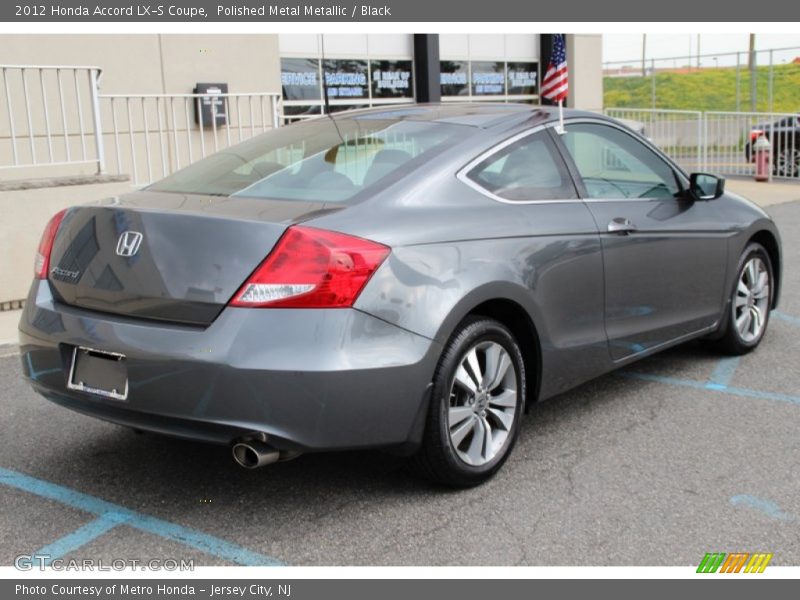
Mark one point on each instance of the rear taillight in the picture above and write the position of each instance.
(312, 268)
(42, 264)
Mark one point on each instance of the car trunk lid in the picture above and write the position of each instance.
(167, 256)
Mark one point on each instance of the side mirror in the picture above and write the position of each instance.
(704, 186)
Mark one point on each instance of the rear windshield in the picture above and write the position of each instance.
(318, 160)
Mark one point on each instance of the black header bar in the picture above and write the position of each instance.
(321, 11)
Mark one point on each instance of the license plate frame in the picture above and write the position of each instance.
(102, 366)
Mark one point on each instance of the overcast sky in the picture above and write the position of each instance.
(628, 47)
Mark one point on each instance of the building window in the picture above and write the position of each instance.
(391, 79)
(489, 80)
(360, 71)
(351, 84)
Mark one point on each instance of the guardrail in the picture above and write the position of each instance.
(52, 116)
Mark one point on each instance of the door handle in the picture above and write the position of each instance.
(621, 226)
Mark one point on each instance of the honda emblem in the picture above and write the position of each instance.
(129, 243)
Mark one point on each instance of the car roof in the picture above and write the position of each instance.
(483, 115)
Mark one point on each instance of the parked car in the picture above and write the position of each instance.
(784, 137)
(410, 278)
(636, 126)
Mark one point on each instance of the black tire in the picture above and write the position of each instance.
(731, 340)
(437, 458)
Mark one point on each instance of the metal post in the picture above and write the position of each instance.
(146, 133)
(131, 139)
(63, 114)
(46, 114)
(752, 60)
(275, 112)
(771, 78)
(199, 104)
(738, 80)
(698, 51)
(772, 151)
(699, 148)
(653, 78)
(28, 115)
(160, 123)
(644, 55)
(704, 146)
(78, 107)
(10, 118)
(98, 127)
(116, 136)
(187, 110)
(174, 133)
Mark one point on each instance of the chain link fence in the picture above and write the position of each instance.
(761, 81)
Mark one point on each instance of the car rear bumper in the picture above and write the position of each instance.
(308, 379)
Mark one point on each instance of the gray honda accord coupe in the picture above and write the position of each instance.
(410, 278)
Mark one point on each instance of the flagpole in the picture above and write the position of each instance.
(561, 117)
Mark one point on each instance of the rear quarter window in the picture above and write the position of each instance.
(527, 170)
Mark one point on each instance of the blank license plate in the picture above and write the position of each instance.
(98, 372)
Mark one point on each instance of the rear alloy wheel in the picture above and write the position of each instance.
(787, 163)
(750, 303)
(476, 405)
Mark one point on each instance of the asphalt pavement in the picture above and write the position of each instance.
(679, 455)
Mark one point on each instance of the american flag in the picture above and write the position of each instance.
(555, 85)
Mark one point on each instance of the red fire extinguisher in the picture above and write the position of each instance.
(762, 149)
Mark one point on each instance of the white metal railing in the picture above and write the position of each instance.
(152, 135)
(729, 136)
(51, 116)
(676, 132)
(721, 142)
(55, 116)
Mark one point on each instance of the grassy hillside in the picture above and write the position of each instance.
(707, 89)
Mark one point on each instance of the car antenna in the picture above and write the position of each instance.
(325, 88)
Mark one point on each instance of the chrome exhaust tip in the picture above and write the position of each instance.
(252, 454)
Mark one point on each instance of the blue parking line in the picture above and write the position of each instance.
(171, 531)
(81, 536)
(722, 375)
(767, 507)
(784, 317)
(698, 385)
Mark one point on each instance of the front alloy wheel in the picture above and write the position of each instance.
(475, 407)
(751, 303)
(745, 322)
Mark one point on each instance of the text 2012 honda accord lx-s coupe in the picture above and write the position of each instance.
(408, 278)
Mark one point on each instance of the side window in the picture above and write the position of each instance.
(528, 169)
(614, 164)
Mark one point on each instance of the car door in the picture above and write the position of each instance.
(551, 246)
(664, 254)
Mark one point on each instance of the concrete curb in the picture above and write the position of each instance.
(7, 350)
(50, 182)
